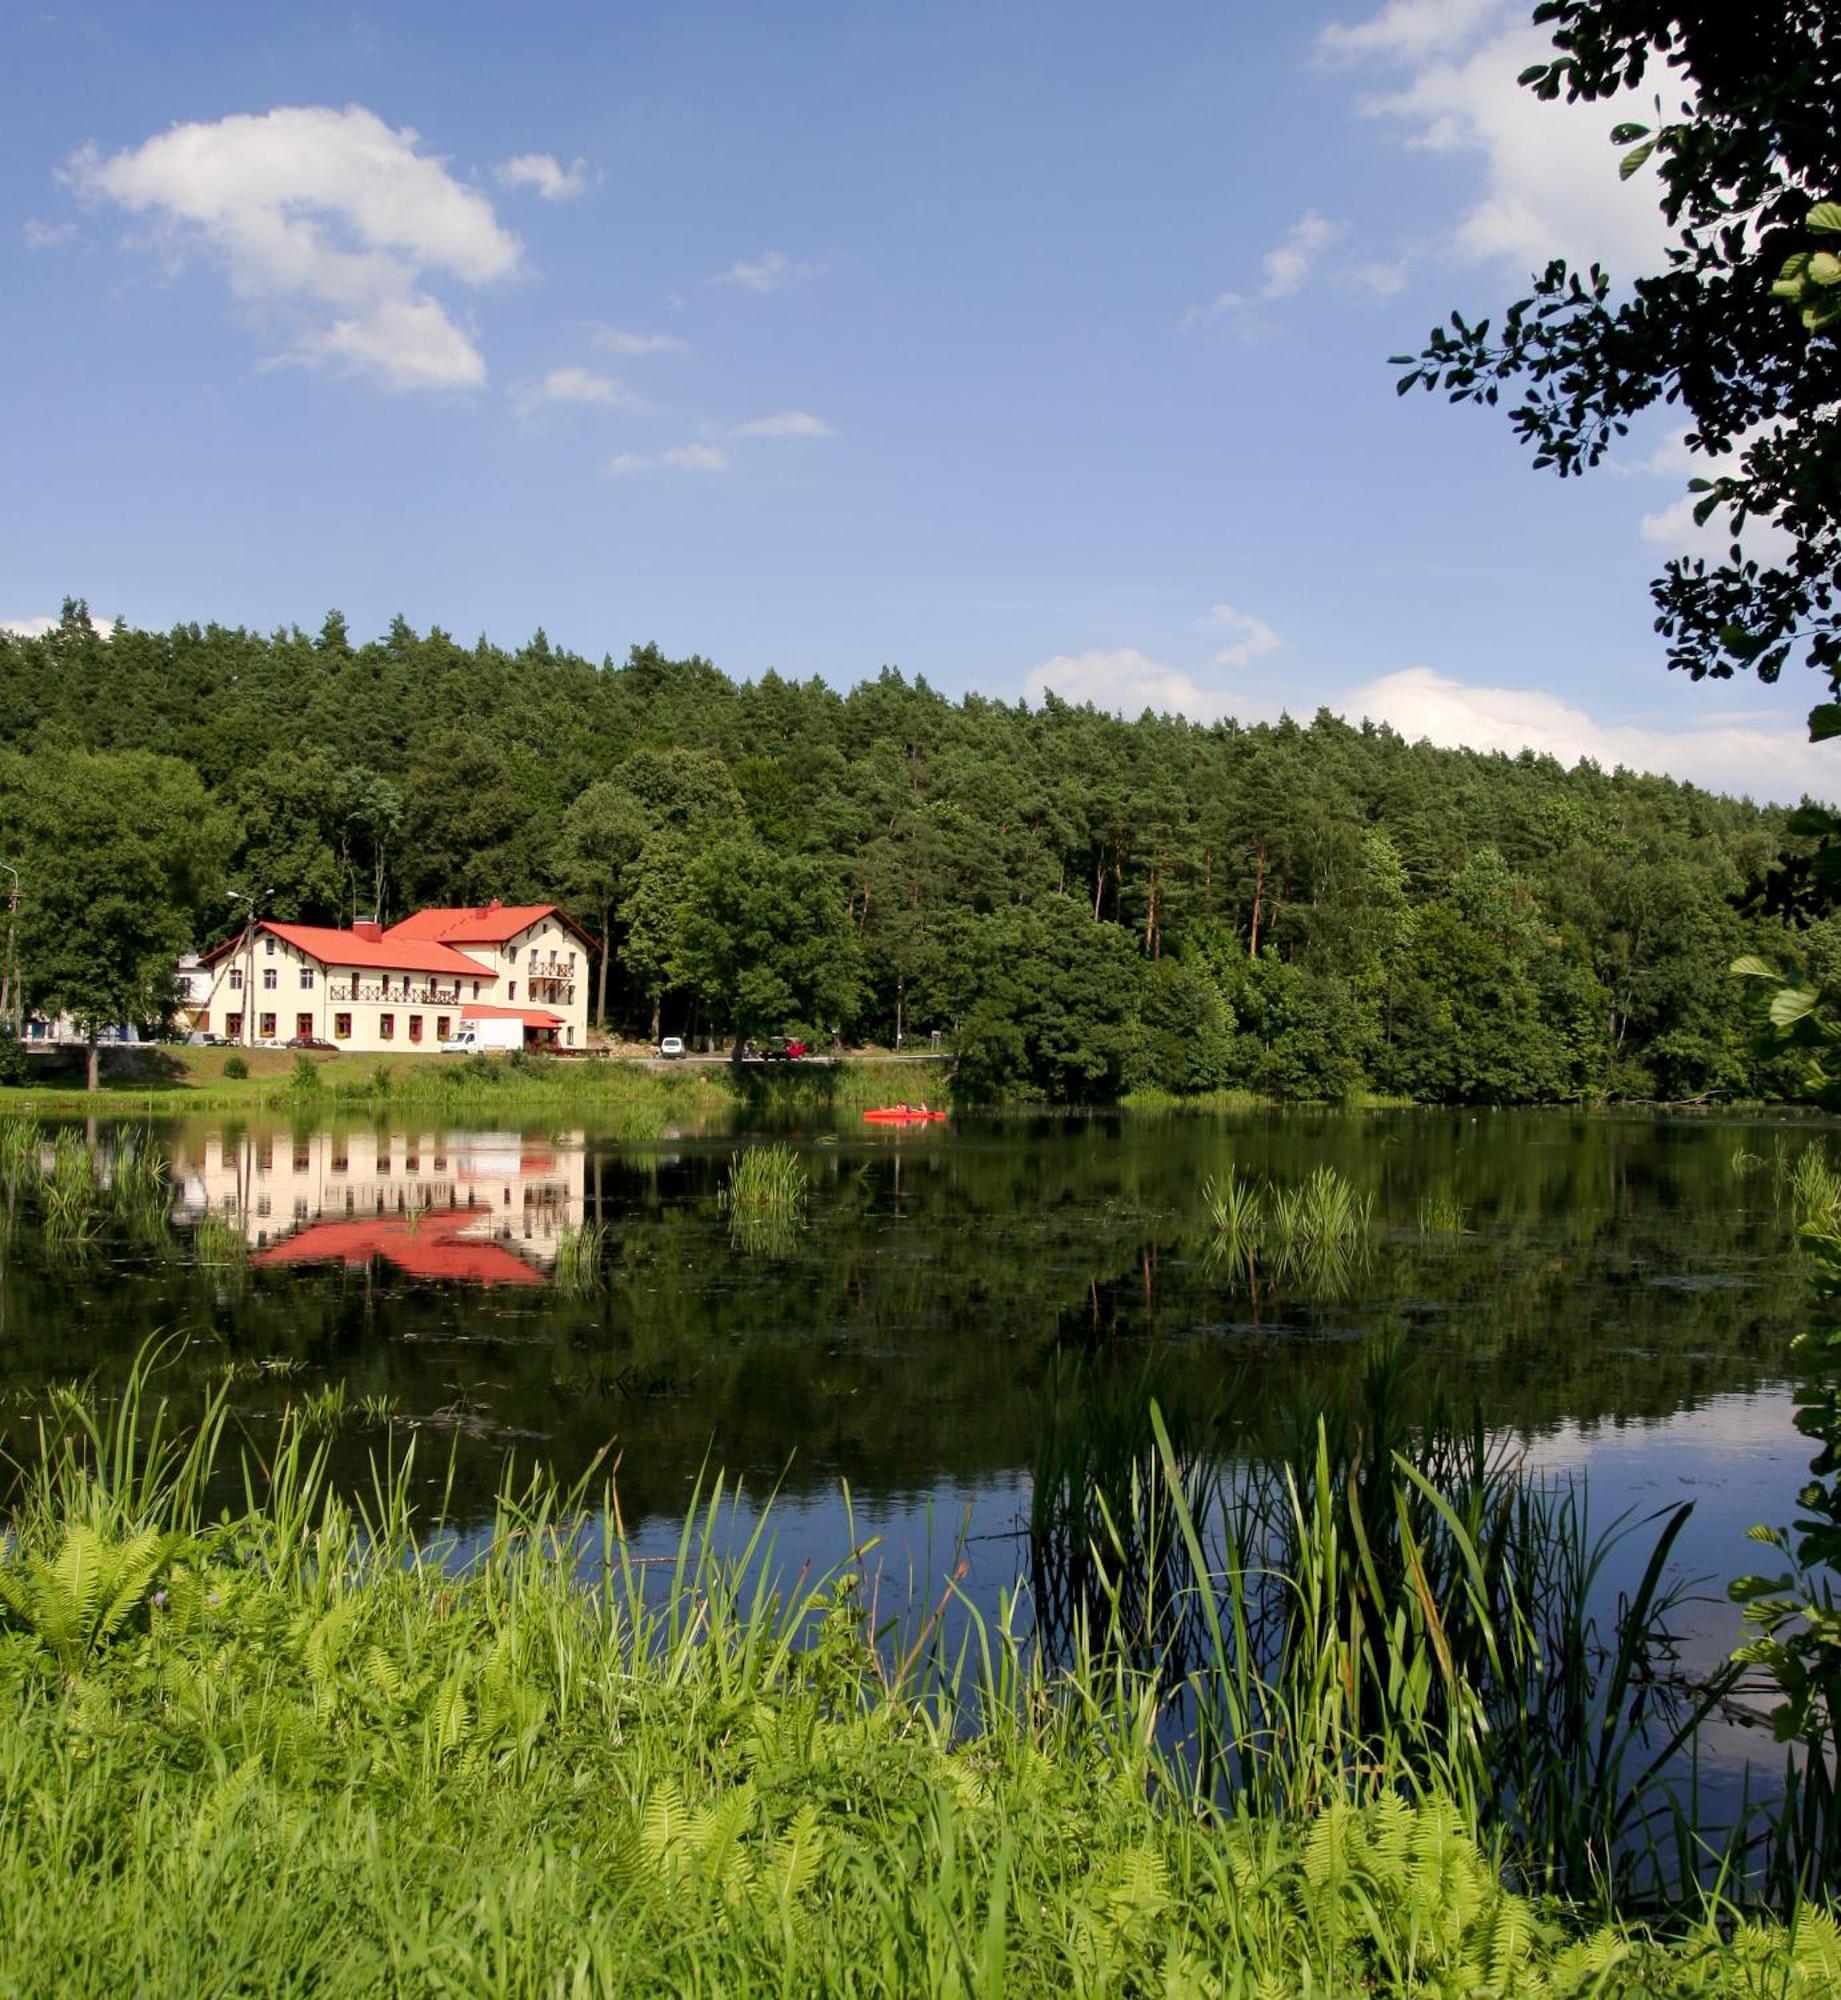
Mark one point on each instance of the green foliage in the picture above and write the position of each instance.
(236, 1068)
(284, 1749)
(15, 1067)
(1744, 133)
(1080, 906)
(579, 1254)
(305, 1075)
(766, 1198)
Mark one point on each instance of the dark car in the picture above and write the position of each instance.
(309, 1042)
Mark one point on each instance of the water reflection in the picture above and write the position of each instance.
(489, 1208)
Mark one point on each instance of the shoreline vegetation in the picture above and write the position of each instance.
(304, 1742)
(635, 1091)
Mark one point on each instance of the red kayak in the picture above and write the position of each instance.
(900, 1114)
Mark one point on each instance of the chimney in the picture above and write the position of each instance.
(367, 928)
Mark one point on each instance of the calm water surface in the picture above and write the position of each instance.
(1620, 1302)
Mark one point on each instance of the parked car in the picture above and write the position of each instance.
(671, 1047)
(784, 1048)
(310, 1042)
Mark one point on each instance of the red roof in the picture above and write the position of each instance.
(434, 1246)
(490, 923)
(532, 1017)
(387, 954)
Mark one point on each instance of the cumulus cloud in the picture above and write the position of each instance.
(328, 225)
(1283, 271)
(1248, 637)
(578, 386)
(771, 271)
(1674, 530)
(46, 235)
(616, 340)
(542, 171)
(787, 424)
(1767, 758)
(36, 628)
(680, 458)
(1127, 682)
(1547, 173)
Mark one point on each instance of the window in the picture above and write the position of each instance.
(415, 1027)
(233, 1027)
(265, 1026)
(268, 945)
(341, 1160)
(303, 1027)
(533, 964)
(236, 979)
(386, 1027)
(306, 979)
(201, 1021)
(443, 1025)
(303, 1159)
(476, 989)
(270, 979)
(342, 1027)
(265, 1155)
(412, 1163)
(572, 1038)
(264, 1206)
(511, 992)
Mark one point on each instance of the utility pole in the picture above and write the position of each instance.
(249, 958)
(12, 987)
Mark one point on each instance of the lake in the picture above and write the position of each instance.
(1615, 1293)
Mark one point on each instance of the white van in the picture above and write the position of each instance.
(485, 1037)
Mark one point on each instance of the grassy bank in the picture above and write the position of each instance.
(289, 1749)
(642, 1094)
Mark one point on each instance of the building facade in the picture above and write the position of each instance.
(402, 990)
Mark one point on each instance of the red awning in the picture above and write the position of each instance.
(532, 1017)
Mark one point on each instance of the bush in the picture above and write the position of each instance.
(235, 1069)
(14, 1068)
(306, 1073)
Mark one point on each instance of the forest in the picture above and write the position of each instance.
(1083, 906)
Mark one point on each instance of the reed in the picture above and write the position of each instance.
(218, 1244)
(1813, 1189)
(22, 1142)
(1441, 1214)
(579, 1259)
(297, 1744)
(1236, 1209)
(71, 1194)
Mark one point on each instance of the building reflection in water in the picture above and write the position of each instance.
(484, 1207)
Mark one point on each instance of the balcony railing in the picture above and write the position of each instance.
(393, 994)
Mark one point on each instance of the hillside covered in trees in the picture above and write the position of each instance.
(1083, 905)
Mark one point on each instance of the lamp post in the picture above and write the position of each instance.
(12, 987)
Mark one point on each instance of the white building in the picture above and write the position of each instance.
(378, 992)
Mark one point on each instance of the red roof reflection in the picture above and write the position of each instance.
(430, 1245)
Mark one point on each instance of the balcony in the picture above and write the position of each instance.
(393, 995)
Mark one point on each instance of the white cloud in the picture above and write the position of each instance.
(771, 271)
(1248, 636)
(1768, 759)
(36, 628)
(1674, 530)
(635, 345)
(1127, 682)
(541, 171)
(1548, 173)
(327, 224)
(45, 235)
(680, 458)
(788, 424)
(578, 386)
(1284, 268)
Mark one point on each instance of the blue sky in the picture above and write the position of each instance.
(1015, 346)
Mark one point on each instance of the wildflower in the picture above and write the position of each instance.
(211, 1600)
(158, 1600)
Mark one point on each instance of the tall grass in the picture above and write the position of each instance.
(1315, 1235)
(295, 1745)
(579, 1253)
(1440, 1214)
(765, 1198)
(218, 1244)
